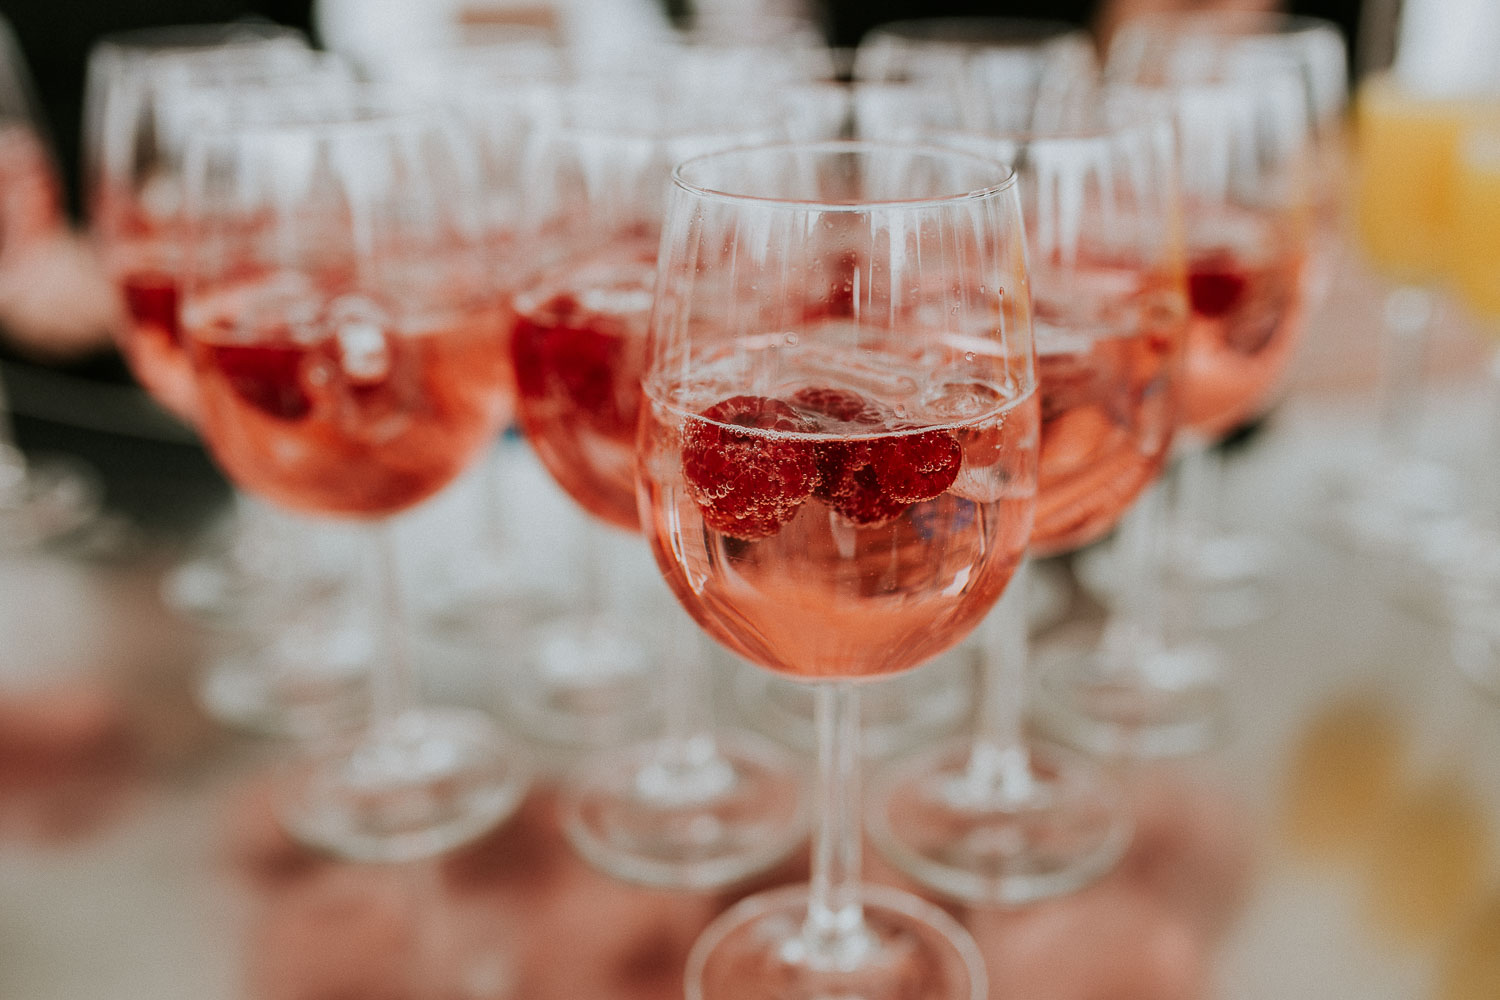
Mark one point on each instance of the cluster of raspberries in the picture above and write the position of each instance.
(749, 484)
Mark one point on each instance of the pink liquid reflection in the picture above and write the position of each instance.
(519, 915)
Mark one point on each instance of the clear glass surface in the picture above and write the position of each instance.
(352, 225)
(696, 805)
(807, 526)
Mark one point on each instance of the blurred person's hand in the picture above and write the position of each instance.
(56, 304)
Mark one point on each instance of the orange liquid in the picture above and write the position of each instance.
(364, 423)
(1104, 368)
(1246, 315)
(579, 350)
(819, 595)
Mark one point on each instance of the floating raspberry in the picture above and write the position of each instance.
(561, 349)
(919, 467)
(151, 300)
(748, 484)
(1216, 286)
(267, 376)
(874, 480)
(840, 404)
(852, 485)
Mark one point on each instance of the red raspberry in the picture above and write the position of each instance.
(267, 376)
(919, 467)
(873, 480)
(561, 349)
(1216, 285)
(747, 484)
(840, 404)
(151, 300)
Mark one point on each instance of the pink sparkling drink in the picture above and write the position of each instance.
(579, 350)
(838, 526)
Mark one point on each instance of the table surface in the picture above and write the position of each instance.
(1341, 842)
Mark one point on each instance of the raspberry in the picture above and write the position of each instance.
(1216, 286)
(840, 404)
(560, 349)
(919, 467)
(267, 376)
(873, 480)
(748, 485)
(852, 484)
(151, 300)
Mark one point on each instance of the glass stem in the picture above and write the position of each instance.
(687, 711)
(1196, 483)
(1408, 319)
(12, 461)
(593, 593)
(1489, 469)
(688, 766)
(834, 933)
(999, 762)
(1133, 628)
(7, 422)
(393, 686)
(492, 490)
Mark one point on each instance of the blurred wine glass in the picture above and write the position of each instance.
(1000, 817)
(1424, 69)
(1242, 155)
(702, 804)
(347, 341)
(40, 498)
(149, 92)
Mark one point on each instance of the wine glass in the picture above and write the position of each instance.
(132, 173)
(501, 90)
(347, 342)
(837, 473)
(40, 499)
(998, 817)
(1020, 56)
(149, 92)
(1424, 80)
(698, 806)
(1224, 570)
(1472, 575)
(1241, 157)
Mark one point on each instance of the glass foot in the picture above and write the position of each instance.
(1391, 509)
(1168, 703)
(911, 950)
(1053, 828)
(699, 815)
(42, 499)
(433, 780)
(583, 682)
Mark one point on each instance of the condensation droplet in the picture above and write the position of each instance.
(791, 340)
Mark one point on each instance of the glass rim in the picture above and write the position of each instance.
(1215, 23)
(972, 32)
(374, 108)
(1136, 120)
(199, 37)
(1006, 175)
